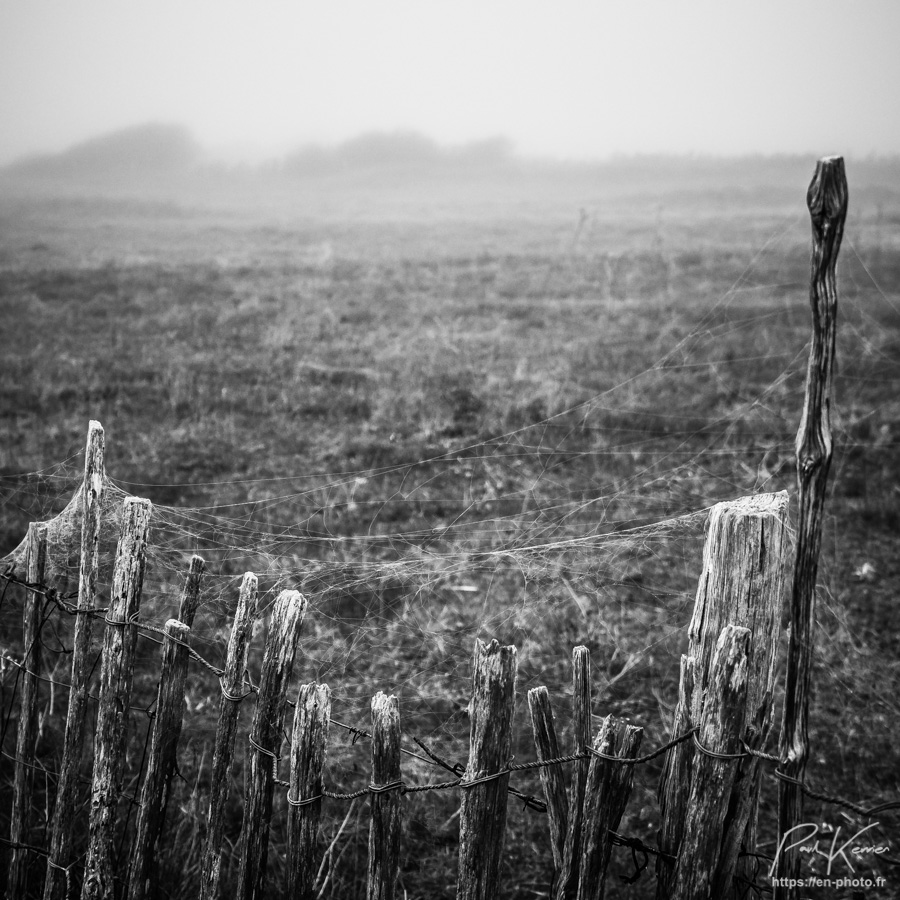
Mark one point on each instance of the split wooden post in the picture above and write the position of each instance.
(223, 752)
(567, 882)
(482, 817)
(116, 676)
(721, 728)
(827, 201)
(265, 742)
(308, 742)
(163, 742)
(26, 737)
(62, 826)
(387, 815)
(552, 777)
(743, 583)
(606, 795)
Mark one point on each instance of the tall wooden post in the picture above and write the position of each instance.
(226, 730)
(62, 826)
(265, 742)
(116, 676)
(567, 882)
(308, 741)
(35, 558)
(163, 741)
(482, 815)
(827, 200)
(387, 816)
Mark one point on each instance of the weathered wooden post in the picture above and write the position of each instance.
(387, 816)
(265, 741)
(190, 595)
(721, 727)
(163, 741)
(187, 609)
(26, 738)
(308, 741)
(743, 583)
(482, 818)
(567, 882)
(62, 826)
(606, 795)
(827, 201)
(116, 675)
(223, 752)
(552, 777)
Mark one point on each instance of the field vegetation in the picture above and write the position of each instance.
(490, 400)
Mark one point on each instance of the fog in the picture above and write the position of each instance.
(254, 82)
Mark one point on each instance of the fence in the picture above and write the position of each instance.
(713, 766)
(742, 583)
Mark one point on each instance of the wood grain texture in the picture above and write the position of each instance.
(482, 819)
(387, 814)
(26, 736)
(266, 733)
(552, 777)
(226, 730)
(743, 582)
(190, 595)
(721, 727)
(827, 200)
(309, 737)
(163, 741)
(606, 795)
(675, 783)
(63, 821)
(567, 883)
(116, 676)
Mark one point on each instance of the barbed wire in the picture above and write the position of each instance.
(62, 602)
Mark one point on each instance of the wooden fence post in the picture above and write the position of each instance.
(482, 818)
(552, 777)
(606, 795)
(265, 742)
(190, 596)
(743, 583)
(226, 729)
(116, 675)
(308, 742)
(163, 742)
(26, 738)
(187, 609)
(165, 732)
(567, 882)
(827, 202)
(721, 728)
(384, 831)
(62, 828)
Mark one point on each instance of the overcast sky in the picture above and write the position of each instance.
(559, 78)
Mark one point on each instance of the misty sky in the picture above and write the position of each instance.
(559, 78)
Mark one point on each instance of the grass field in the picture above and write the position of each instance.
(448, 409)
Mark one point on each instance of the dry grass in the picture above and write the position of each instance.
(458, 424)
